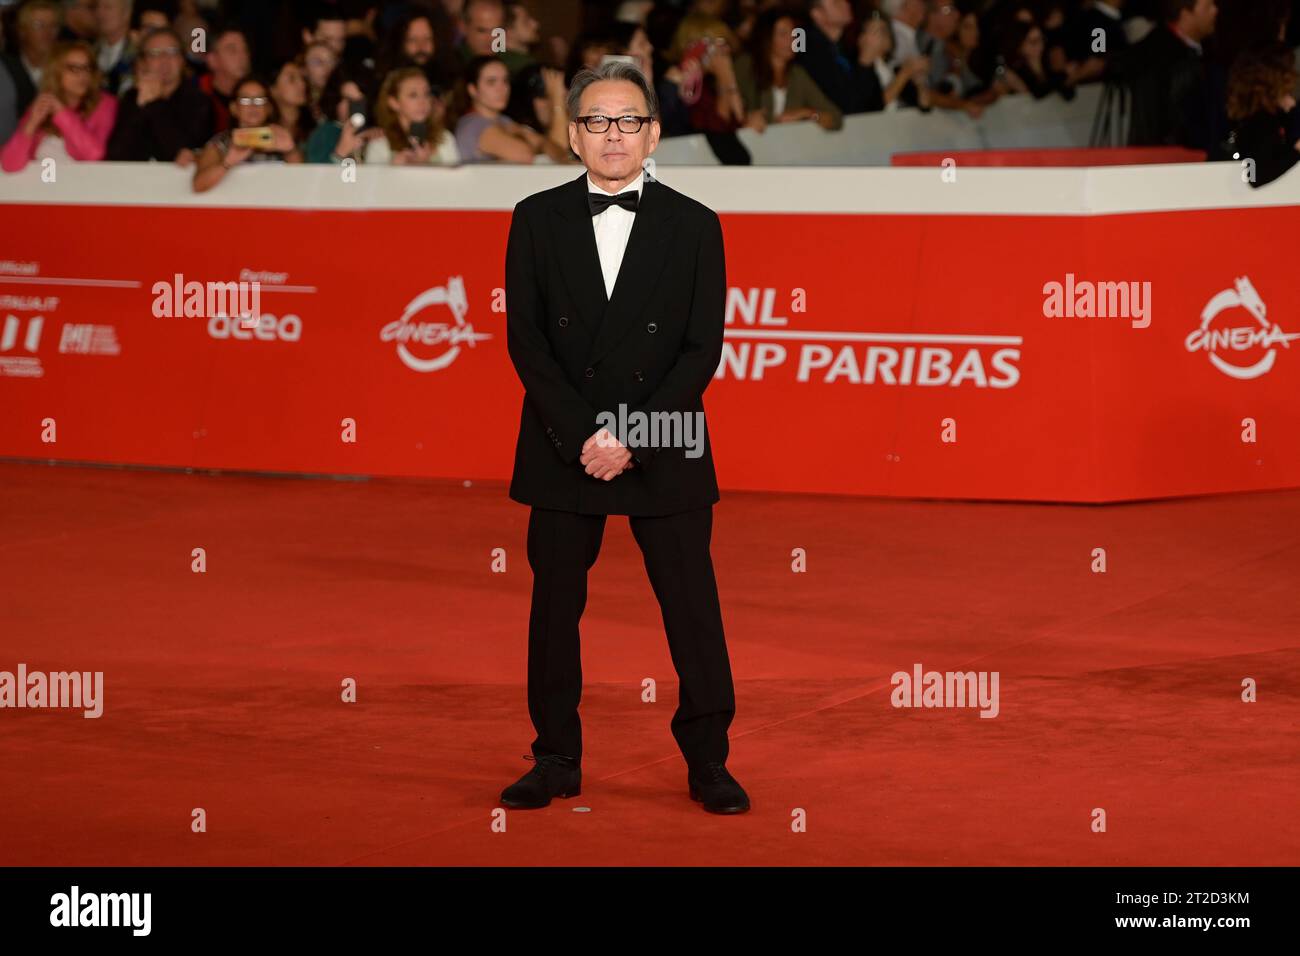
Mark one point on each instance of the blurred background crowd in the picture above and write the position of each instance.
(214, 83)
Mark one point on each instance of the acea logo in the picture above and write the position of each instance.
(432, 329)
(1227, 345)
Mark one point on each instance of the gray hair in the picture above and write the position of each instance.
(612, 70)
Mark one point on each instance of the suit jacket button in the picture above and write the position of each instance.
(564, 320)
(638, 376)
(651, 327)
(591, 372)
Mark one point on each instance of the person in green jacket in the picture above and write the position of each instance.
(776, 89)
(346, 95)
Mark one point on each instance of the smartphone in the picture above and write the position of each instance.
(253, 137)
(357, 115)
(419, 132)
(612, 58)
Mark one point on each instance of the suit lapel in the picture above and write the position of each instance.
(643, 260)
(579, 259)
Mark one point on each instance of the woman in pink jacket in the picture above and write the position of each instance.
(71, 118)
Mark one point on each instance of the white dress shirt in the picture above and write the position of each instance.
(110, 53)
(34, 73)
(905, 43)
(612, 226)
(885, 74)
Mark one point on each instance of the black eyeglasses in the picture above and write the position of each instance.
(626, 124)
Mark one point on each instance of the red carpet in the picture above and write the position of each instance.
(222, 690)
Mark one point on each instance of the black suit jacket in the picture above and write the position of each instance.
(162, 128)
(24, 91)
(653, 347)
(846, 82)
(1171, 99)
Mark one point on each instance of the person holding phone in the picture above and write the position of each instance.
(347, 128)
(882, 86)
(412, 131)
(702, 49)
(254, 137)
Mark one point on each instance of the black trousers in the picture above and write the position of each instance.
(562, 547)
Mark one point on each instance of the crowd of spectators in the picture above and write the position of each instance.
(212, 84)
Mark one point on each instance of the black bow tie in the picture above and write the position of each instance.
(599, 202)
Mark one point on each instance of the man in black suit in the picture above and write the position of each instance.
(16, 94)
(615, 290)
(163, 117)
(847, 83)
(1172, 105)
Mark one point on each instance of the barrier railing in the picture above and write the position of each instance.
(869, 139)
(1045, 334)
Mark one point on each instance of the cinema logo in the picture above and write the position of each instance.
(756, 341)
(83, 690)
(1098, 300)
(1260, 333)
(637, 429)
(74, 908)
(430, 346)
(948, 689)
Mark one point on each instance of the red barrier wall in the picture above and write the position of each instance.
(1068, 408)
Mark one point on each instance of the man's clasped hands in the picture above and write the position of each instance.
(604, 456)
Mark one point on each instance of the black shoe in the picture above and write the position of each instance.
(717, 789)
(554, 776)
